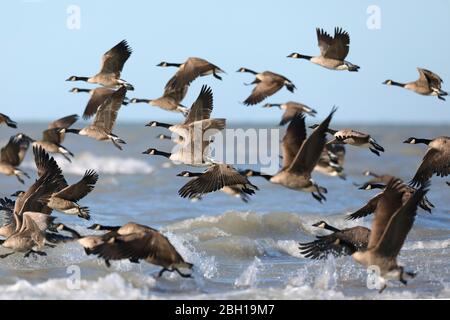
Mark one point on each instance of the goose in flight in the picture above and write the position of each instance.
(12, 155)
(7, 120)
(105, 118)
(291, 109)
(267, 84)
(333, 51)
(111, 68)
(428, 84)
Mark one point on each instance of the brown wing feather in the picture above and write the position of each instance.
(10, 152)
(114, 59)
(294, 137)
(263, 90)
(107, 113)
(202, 107)
(434, 162)
(80, 189)
(99, 95)
(311, 149)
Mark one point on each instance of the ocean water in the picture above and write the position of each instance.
(239, 250)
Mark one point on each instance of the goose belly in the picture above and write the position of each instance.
(63, 205)
(6, 169)
(20, 244)
(329, 63)
(292, 181)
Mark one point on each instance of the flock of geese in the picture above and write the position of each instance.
(28, 226)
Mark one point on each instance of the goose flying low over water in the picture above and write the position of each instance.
(135, 242)
(267, 84)
(98, 96)
(7, 120)
(391, 224)
(111, 68)
(101, 127)
(218, 177)
(428, 84)
(291, 109)
(232, 190)
(12, 155)
(371, 205)
(436, 159)
(331, 161)
(54, 136)
(190, 70)
(354, 138)
(339, 243)
(65, 197)
(333, 51)
(169, 101)
(300, 156)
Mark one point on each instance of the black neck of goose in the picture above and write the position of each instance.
(71, 130)
(162, 153)
(194, 174)
(162, 124)
(173, 65)
(74, 233)
(142, 100)
(108, 228)
(249, 71)
(424, 141)
(398, 84)
(331, 131)
(259, 174)
(331, 228)
(83, 90)
(81, 78)
(302, 56)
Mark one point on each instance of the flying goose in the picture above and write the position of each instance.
(436, 159)
(267, 84)
(201, 109)
(31, 217)
(135, 242)
(7, 120)
(340, 242)
(291, 109)
(98, 96)
(371, 205)
(428, 84)
(111, 67)
(333, 51)
(392, 222)
(376, 178)
(54, 136)
(190, 70)
(354, 138)
(169, 101)
(65, 197)
(331, 161)
(215, 178)
(300, 157)
(232, 190)
(101, 127)
(12, 155)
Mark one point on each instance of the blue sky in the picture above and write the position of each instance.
(39, 52)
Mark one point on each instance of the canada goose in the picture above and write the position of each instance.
(98, 96)
(370, 207)
(376, 178)
(232, 190)
(215, 178)
(428, 84)
(201, 109)
(8, 223)
(54, 136)
(7, 120)
(170, 100)
(12, 155)
(111, 67)
(340, 242)
(392, 222)
(267, 84)
(333, 51)
(65, 197)
(31, 219)
(354, 138)
(101, 127)
(135, 242)
(291, 109)
(331, 161)
(190, 70)
(436, 159)
(300, 157)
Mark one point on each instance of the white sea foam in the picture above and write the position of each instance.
(249, 276)
(101, 164)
